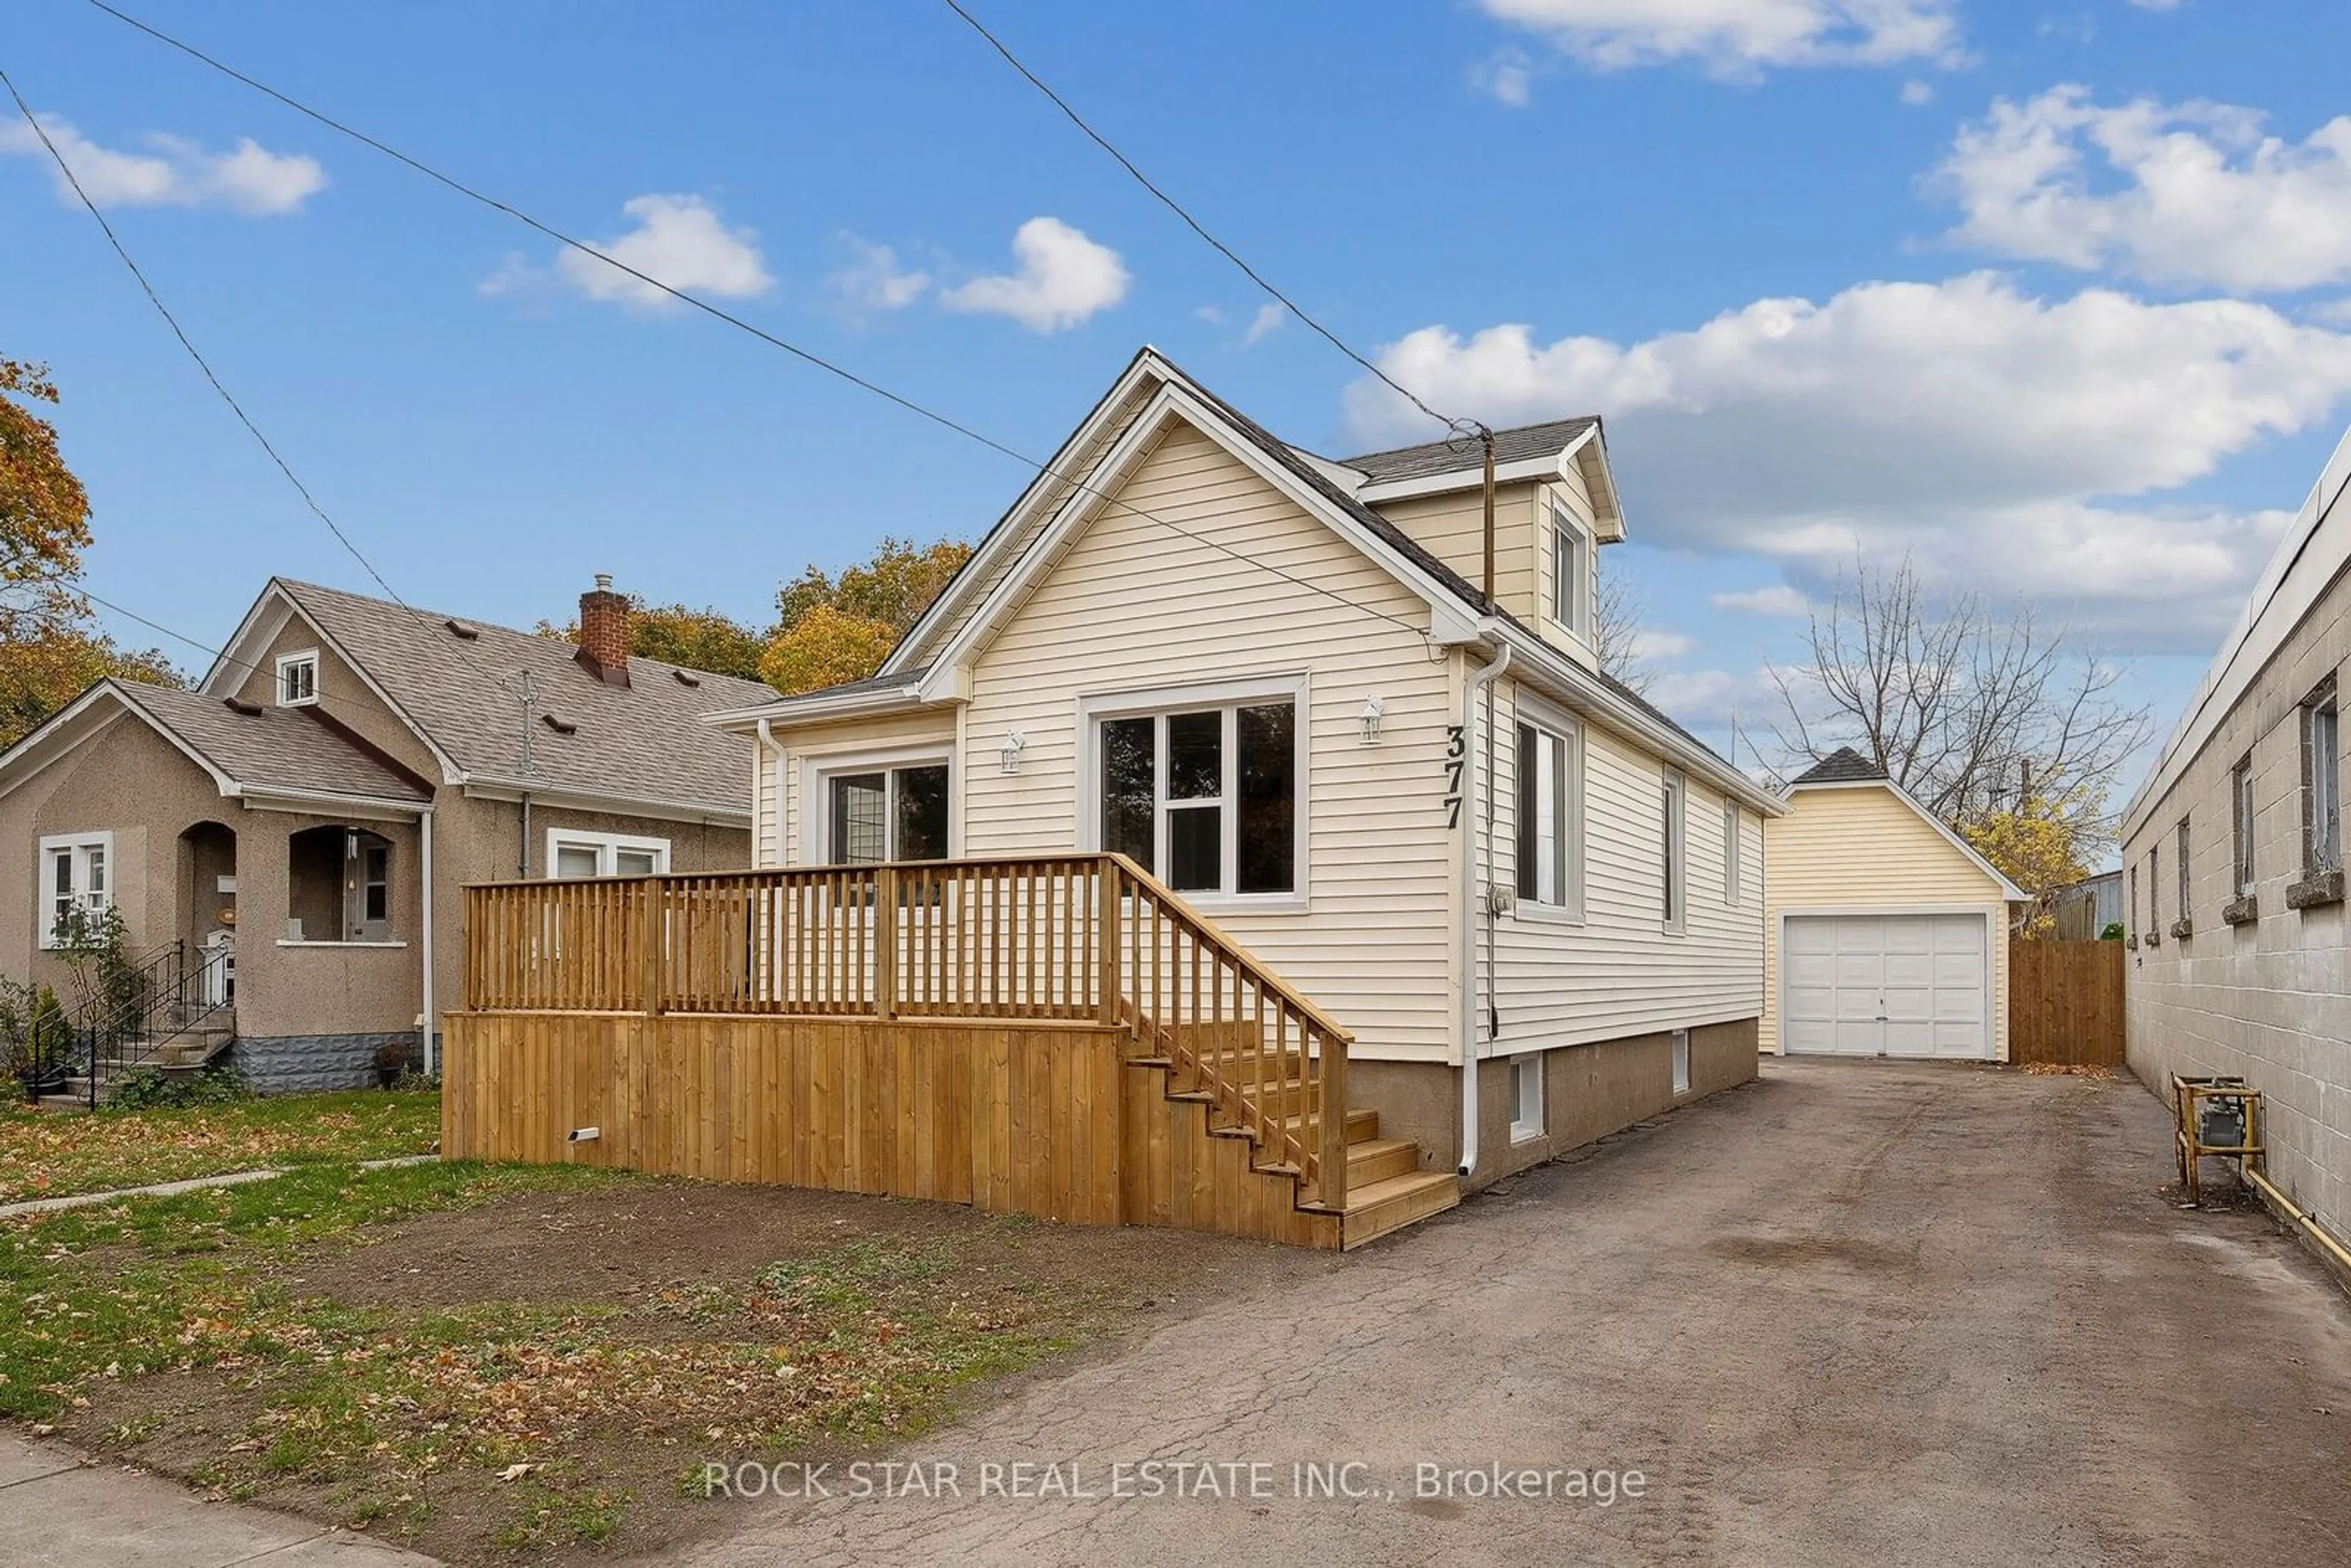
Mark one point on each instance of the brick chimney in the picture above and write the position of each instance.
(604, 633)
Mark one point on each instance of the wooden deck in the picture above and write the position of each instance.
(1058, 1037)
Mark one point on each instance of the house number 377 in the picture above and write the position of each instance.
(1457, 756)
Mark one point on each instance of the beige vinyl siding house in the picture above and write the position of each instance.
(2239, 959)
(1183, 586)
(1885, 934)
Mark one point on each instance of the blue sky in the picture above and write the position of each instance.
(2051, 297)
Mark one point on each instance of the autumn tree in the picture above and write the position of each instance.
(2037, 843)
(678, 635)
(50, 646)
(44, 511)
(831, 630)
(1969, 706)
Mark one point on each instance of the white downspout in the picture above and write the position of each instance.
(759, 787)
(1473, 900)
(425, 826)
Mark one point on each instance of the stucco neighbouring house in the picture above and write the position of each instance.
(1885, 933)
(2233, 867)
(288, 842)
(1274, 680)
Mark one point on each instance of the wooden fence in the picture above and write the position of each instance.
(1069, 939)
(2065, 1002)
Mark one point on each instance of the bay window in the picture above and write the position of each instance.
(1205, 797)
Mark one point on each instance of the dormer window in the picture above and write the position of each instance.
(297, 678)
(1571, 573)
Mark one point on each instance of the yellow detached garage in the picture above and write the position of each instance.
(1884, 934)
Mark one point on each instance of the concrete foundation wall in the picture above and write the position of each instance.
(1589, 1091)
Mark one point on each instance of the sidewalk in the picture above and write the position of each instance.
(58, 1511)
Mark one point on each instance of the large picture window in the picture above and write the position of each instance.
(1550, 849)
(1205, 797)
(887, 814)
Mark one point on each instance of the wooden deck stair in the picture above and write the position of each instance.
(1387, 1190)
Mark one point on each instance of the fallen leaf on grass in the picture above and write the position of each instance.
(516, 1473)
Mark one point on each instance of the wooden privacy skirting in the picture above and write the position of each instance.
(1052, 1120)
(2065, 1003)
(1089, 939)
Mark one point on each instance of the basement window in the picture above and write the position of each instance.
(1682, 1062)
(1526, 1097)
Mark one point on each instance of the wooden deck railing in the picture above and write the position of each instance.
(1082, 937)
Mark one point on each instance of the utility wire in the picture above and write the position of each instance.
(113, 239)
(684, 296)
(1456, 427)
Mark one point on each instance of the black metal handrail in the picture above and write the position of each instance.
(142, 1010)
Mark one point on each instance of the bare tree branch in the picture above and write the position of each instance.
(1964, 706)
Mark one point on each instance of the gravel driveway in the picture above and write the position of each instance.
(1856, 1312)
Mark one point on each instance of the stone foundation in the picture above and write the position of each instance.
(295, 1063)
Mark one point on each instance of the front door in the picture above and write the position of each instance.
(367, 889)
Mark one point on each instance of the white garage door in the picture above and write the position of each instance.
(1886, 985)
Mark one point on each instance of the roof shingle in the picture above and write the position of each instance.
(1843, 766)
(276, 747)
(1430, 457)
(645, 740)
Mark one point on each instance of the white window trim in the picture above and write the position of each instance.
(1522, 1130)
(288, 661)
(818, 771)
(287, 942)
(1094, 709)
(1681, 1050)
(607, 846)
(1674, 787)
(1577, 620)
(2241, 841)
(1569, 910)
(45, 919)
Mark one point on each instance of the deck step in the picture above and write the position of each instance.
(1391, 1205)
(1377, 1159)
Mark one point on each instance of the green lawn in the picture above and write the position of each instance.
(51, 1154)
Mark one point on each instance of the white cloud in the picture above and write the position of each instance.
(1653, 643)
(1740, 37)
(1213, 315)
(2191, 194)
(1917, 94)
(874, 282)
(1262, 325)
(677, 239)
(1713, 699)
(1779, 599)
(2156, 5)
(1988, 432)
(1508, 76)
(177, 173)
(1064, 279)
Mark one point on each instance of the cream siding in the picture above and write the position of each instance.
(1452, 528)
(1133, 605)
(1862, 847)
(1619, 971)
(782, 833)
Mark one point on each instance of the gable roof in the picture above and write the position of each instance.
(250, 750)
(644, 743)
(276, 749)
(1879, 780)
(1512, 445)
(1843, 766)
(1151, 391)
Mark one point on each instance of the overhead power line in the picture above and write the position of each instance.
(1457, 426)
(695, 302)
(203, 364)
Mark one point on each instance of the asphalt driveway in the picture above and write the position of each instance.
(1856, 1312)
